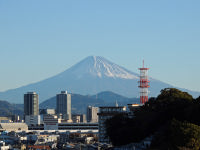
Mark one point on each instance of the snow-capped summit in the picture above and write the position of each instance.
(92, 75)
(101, 67)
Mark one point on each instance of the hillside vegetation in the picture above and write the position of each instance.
(172, 119)
(7, 109)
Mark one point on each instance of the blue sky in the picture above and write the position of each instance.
(39, 39)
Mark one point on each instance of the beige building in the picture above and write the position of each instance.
(17, 127)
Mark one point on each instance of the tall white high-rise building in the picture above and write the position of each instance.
(63, 105)
(92, 114)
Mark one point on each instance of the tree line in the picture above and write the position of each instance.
(172, 119)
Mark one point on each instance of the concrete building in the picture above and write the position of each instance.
(53, 125)
(83, 118)
(42, 139)
(17, 127)
(47, 111)
(3, 146)
(51, 122)
(33, 120)
(92, 114)
(79, 127)
(63, 105)
(5, 119)
(104, 114)
(31, 108)
(77, 118)
(31, 104)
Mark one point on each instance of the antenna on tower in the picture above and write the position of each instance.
(143, 63)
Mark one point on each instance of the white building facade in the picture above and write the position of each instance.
(92, 114)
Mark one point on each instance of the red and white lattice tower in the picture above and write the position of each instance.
(143, 84)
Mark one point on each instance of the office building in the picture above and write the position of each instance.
(47, 111)
(104, 114)
(77, 118)
(33, 120)
(92, 114)
(83, 118)
(51, 122)
(63, 105)
(31, 104)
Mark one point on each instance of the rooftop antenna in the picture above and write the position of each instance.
(143, 63)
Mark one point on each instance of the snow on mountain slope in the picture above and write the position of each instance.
(100, 67)
(92, 75)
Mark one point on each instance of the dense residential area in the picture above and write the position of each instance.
(169, 121)
(103, 121)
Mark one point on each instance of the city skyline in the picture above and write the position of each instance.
(42, 39)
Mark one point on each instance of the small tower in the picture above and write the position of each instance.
(116, 104)
(143, 84)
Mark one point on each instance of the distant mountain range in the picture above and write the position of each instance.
(7, 109)
(80, 102)
(92, 75)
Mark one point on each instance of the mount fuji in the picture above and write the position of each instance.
(92, 75)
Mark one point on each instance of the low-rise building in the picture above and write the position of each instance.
(32, 119)
(78, 118)
(17, 127)
(3, 146)
(47, 111)
(104, 114)
(51, 122)
(75, 127)
(42, 139)
(5, 119)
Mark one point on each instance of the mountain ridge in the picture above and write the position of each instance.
(80, 102)
(91, 75)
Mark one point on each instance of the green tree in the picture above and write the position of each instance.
(154, 118)
(185, 135)
(118, 129)
(173, 93)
